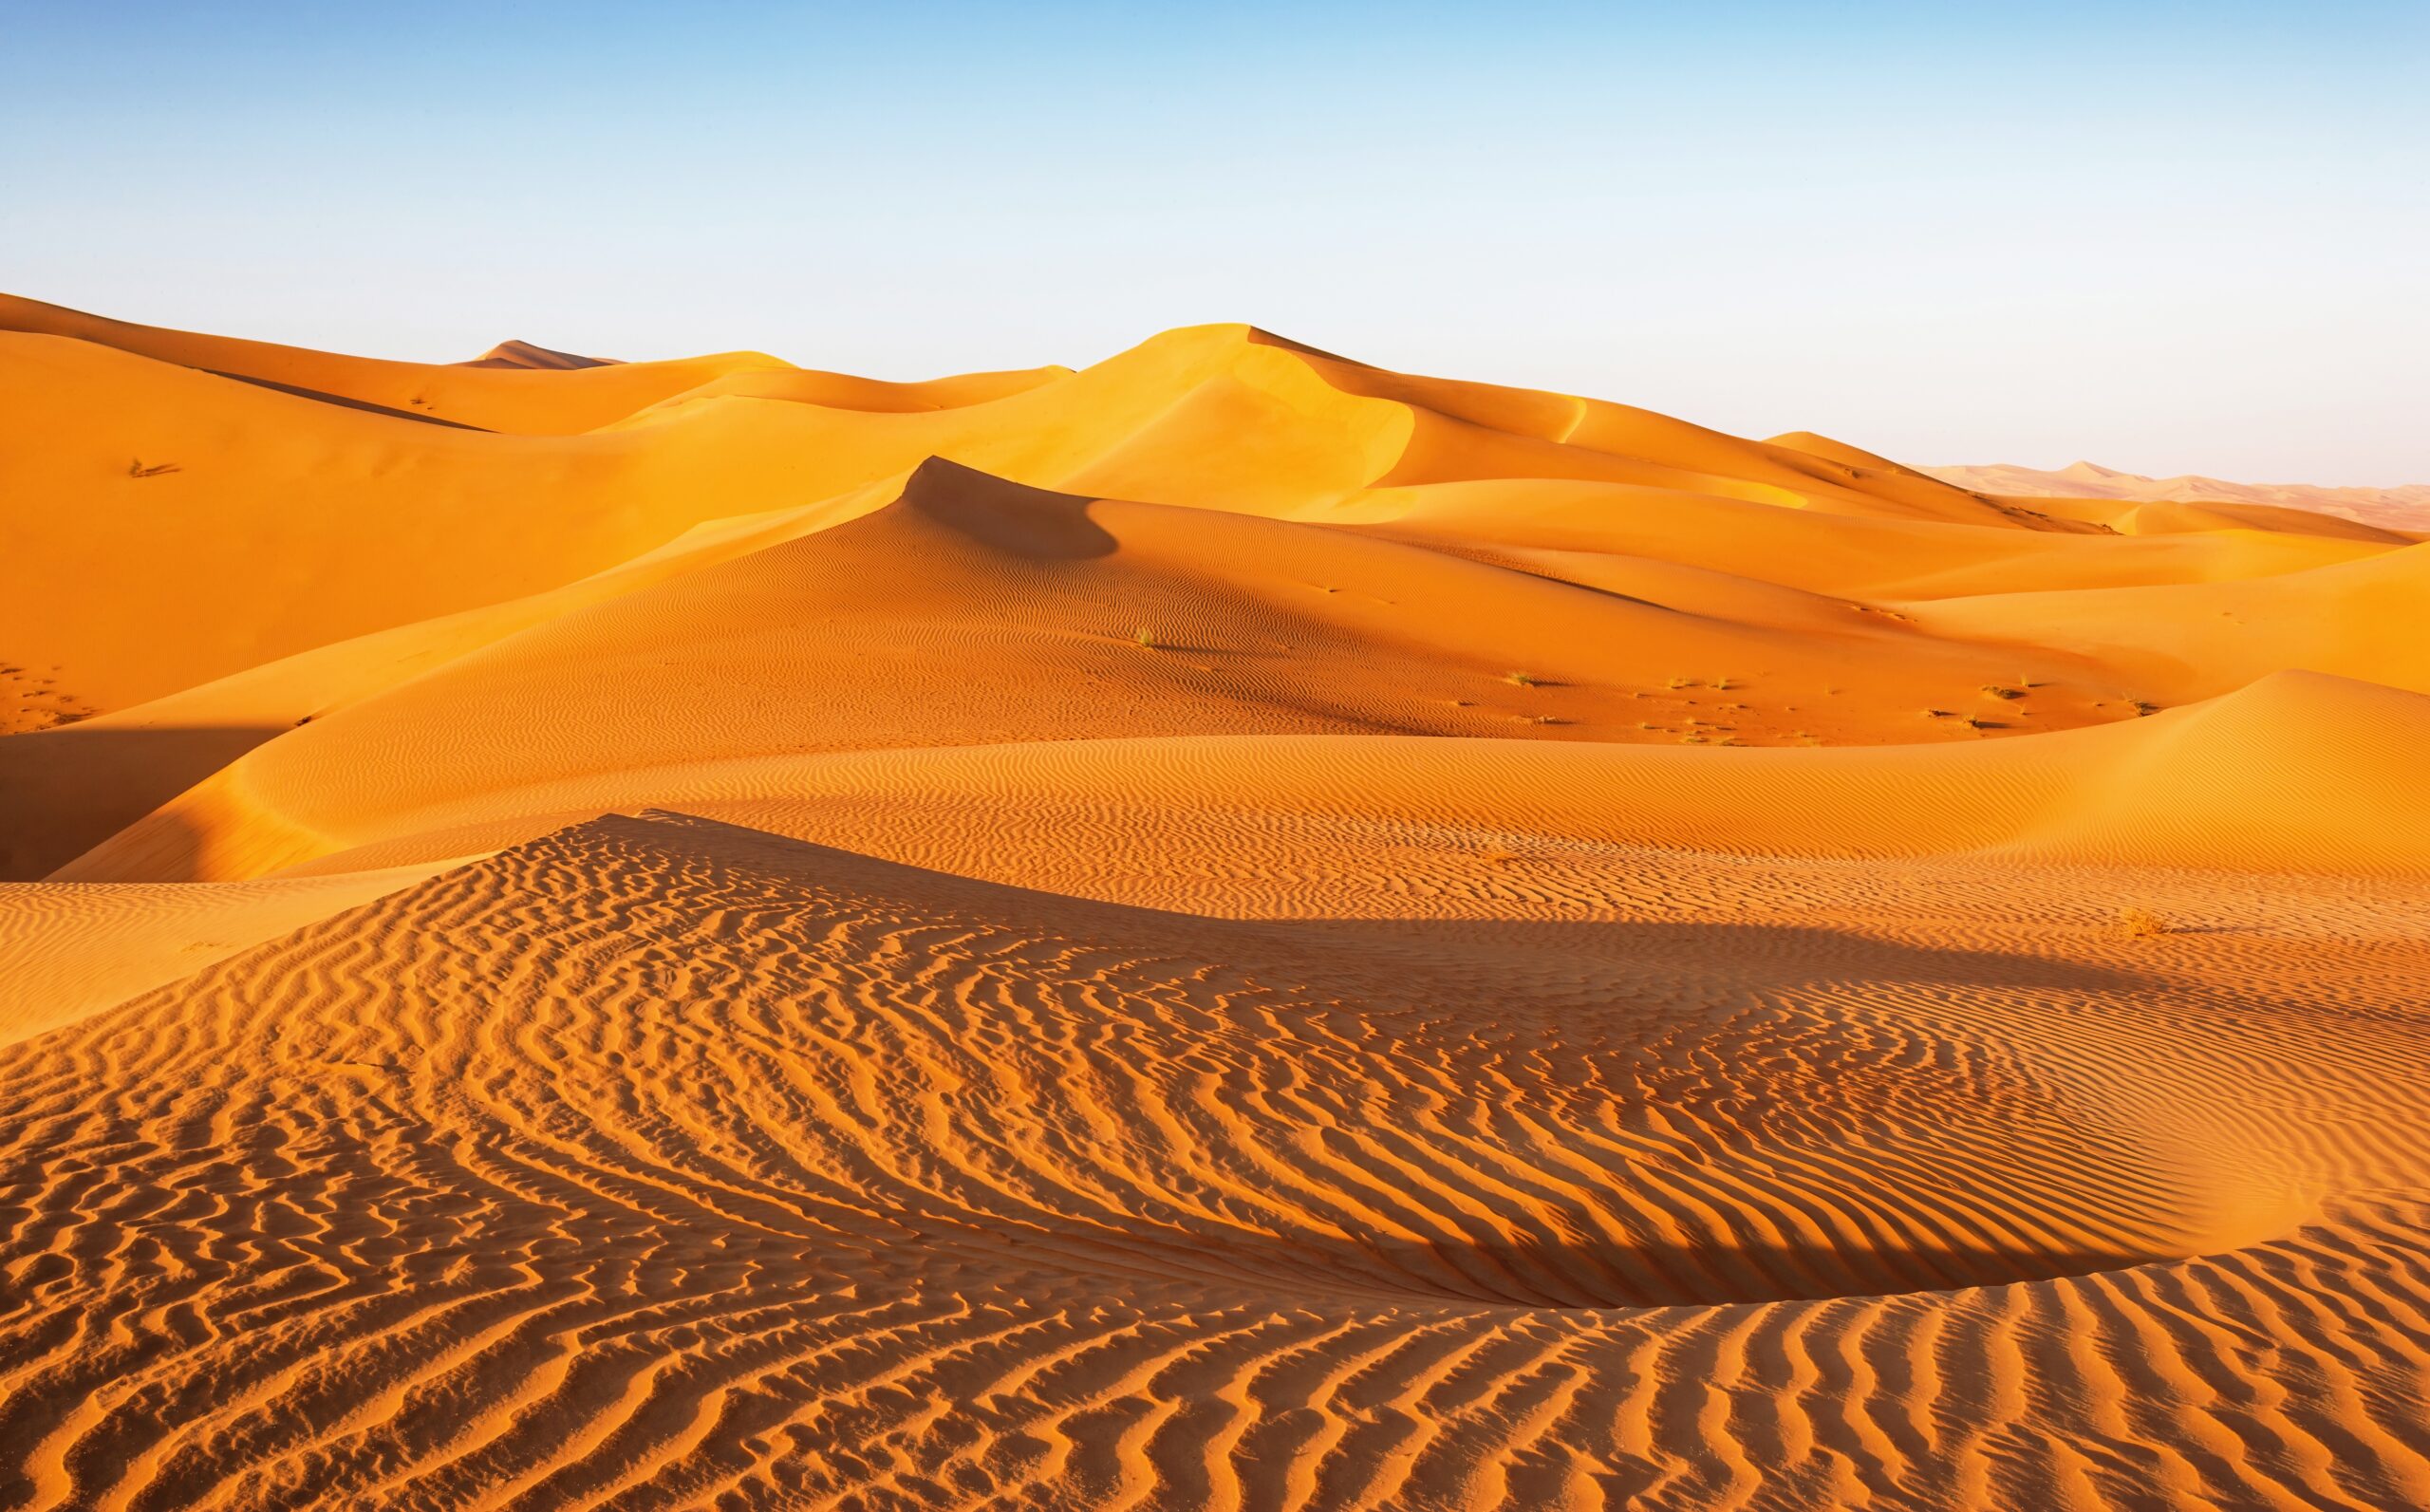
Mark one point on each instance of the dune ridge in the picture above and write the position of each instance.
(2286, 505)
(1223, 927)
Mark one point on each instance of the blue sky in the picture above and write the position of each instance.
(2170, 237)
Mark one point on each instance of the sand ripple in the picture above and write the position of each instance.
(659, 1160)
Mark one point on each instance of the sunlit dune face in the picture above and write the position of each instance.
(1226, 928)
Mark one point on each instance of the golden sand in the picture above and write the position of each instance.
(1228, 928)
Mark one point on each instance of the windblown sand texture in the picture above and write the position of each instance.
(1229, 928)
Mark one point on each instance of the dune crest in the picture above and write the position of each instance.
(2405, 510)
(1222, 928)
(524, 354)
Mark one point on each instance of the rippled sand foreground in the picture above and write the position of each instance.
(1229, 928)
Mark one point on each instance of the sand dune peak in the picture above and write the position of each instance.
(1224, 927)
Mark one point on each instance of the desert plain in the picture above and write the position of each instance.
(1225, 929)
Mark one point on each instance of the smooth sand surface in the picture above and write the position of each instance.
(2139, 504)
(1224, 928)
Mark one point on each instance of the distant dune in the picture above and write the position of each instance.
(1222, 928)
(2394, 508)
(523, 354)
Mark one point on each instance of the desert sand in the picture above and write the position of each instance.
(2280, 505)
(1223, 928)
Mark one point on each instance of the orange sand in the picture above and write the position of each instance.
(1222, 929)
(2205, 503)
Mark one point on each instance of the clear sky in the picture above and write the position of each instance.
(2170, 237)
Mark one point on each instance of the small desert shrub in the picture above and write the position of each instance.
(2138, 924)
(1682, 682)
(1936, 714)
(2142, 707)
(1147, 638)
(1992, 690)
(1521, 680)
(1725, 684)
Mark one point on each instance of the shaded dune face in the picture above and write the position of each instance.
(659, 1158)
(1256, 1103)
(1226, 928)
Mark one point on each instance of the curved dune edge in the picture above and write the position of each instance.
(69, 952)
(157, 468)
(2188, 502)
(723, 1165)
(1219, 929)
(2239, 783)
(621, 689)
(63, 790)
(521, 396)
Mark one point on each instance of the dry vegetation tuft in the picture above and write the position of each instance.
(2138, 924)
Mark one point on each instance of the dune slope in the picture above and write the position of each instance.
(2188, 498)
(1219, 928)
(752, 1163)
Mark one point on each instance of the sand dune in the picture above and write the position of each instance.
(1219, 929)
(2189, 502)
(524, 354)
(504, 396)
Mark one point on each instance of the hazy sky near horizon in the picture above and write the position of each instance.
(2170, 237)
